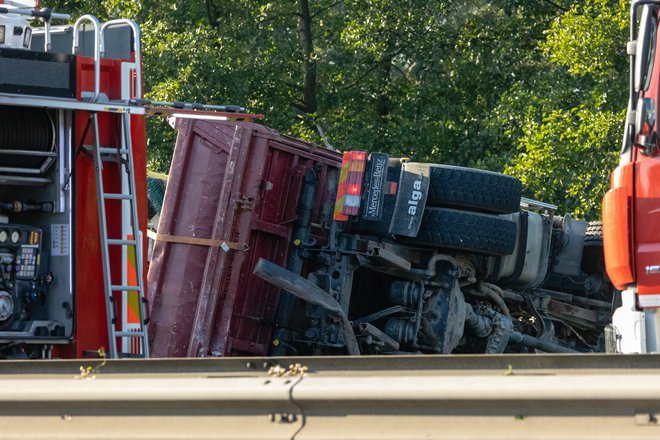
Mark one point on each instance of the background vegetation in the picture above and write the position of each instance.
(534, 89)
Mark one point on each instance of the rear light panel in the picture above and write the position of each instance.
(349, 188)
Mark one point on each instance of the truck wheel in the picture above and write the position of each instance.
(464, 230)
(473, 189)
(593, 260)
(594, 234)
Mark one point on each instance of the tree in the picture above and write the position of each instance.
(568, 145)
(525, 87)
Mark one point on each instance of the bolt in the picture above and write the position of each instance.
(288, 418)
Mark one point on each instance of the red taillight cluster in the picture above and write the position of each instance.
(349, 189)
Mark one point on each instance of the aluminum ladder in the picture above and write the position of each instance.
(134, 336)
(134, 294)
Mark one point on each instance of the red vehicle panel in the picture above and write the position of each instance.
(90, 322)
(617, 224)
(243, 194)
(647, 224)
(631, 208)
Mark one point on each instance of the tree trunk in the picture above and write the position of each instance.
(307, 41)
(384, 70)
(211, 13)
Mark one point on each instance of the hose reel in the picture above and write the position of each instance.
(27, 141)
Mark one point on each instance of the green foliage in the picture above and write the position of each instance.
(574, 108)
(590, 38)
(533, 88)
(568, 157)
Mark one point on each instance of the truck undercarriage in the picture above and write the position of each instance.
(376, 256)
(434, 294)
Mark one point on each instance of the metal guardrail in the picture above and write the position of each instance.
(408, 397)
(362, 365)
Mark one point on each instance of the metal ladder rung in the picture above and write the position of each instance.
(118, 288)
(129, 334)
(110, 196)
(108, 150)
(118, 242)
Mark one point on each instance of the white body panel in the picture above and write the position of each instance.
(17, 31)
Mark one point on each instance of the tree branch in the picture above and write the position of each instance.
(378, 64)
(300, 106)
(276, 16)
(295, 86)
(321, 11)
(556, 5)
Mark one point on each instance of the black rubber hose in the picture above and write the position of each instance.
(24, 128)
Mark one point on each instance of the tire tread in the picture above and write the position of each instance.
(469, 231)
(474, 189)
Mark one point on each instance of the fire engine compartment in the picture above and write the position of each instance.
(41, 193)
(36, 297)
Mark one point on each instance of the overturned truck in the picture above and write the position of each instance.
(267, 245)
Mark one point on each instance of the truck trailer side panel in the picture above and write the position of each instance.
(233, 186)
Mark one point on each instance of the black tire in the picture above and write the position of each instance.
(594, 234)
(464, 230)
(473, 189)
(593, 258)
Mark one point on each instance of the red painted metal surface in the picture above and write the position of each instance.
(647, 202)
(617, 227)
(647, 224)
(631, 213)
(238, 183)
(90, 328)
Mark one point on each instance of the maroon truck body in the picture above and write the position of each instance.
(234, 188)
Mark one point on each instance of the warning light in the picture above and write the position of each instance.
(349, 189)
(358, 155)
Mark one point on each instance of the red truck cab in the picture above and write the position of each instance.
(631, 208)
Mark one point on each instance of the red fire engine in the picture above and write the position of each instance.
(72, 173)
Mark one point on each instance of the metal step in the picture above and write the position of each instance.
(129, 334)
(115, 151)
(118, 242)
(117, 288)
(111, 196)
(107, 150)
